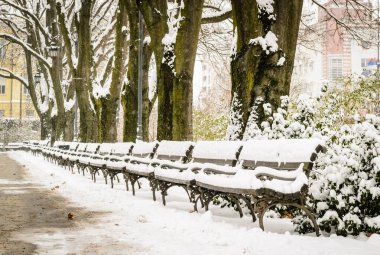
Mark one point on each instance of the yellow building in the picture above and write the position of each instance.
(15, 101)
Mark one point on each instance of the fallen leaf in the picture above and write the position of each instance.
(70, 216)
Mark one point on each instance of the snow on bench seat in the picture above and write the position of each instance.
(285, 182)
(14, 146)
(74, 155)
(249, 182)
(287, 156)
(221, 155)
(84, 158)
(120, 153)
(167, 152)
(207, 156)
(101, 157)
(127, 152)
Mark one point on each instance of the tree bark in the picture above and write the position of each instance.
(110, 104)
(185, 50)
(244, 63)
(44, 116)
(88, 120)
(257, 75)
(147, 103)
(156, 18)
(54, 71)
(129, 94)
(68, 134)
(273, 81)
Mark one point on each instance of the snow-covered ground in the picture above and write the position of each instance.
(138, 225)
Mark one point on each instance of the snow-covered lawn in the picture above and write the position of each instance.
(138, 225)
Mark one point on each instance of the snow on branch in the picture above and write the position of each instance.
(67, 38)
(217, 17)
(30, 14)
(26, 47)
(108, 32)
(13, 26)
(12, 75)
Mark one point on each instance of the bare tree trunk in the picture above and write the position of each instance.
(129, 94)
(110, 104)
(244, 63)
(44, 116)
(51, 17)
(88, 121)
(260, 75)
(273, 80)
(147, 103)
(44, 129)
(185, 50)
(68, 134)
(155, 16)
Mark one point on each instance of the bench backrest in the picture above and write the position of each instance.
(106, 148)
(122, 149)
(34, 142)
(144, 149)
(14, 144)
(43, 143)
(286, 154)
(81, 147)
(174, 150)
(92, 147)
(58, 143)
(217, 152)
(62, 145)
(73, 146)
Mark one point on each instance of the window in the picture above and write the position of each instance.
(25, 90)
(2, 89)
(336, 68)
(29, 113)
(364, 62)
(2, 113)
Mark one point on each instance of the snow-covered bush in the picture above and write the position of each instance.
(345, 182)
(11, 130)
(282, 123)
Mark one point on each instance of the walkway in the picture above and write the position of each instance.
(29, 209)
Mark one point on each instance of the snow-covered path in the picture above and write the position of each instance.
(138, 225)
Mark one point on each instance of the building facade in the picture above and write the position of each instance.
(15, 102)
(331, 51)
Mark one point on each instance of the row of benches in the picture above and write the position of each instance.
(11, 146)
(259, 173)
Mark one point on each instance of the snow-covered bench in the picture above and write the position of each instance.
(142, 152)
(168, 152)
(270, 172)
(138, 151)
(219, 155)
(13, 146)
(83, 160)
(116, 162)
(63, 150)
(98, 161)
(54, 153)
(70, 157)
(38, 145)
